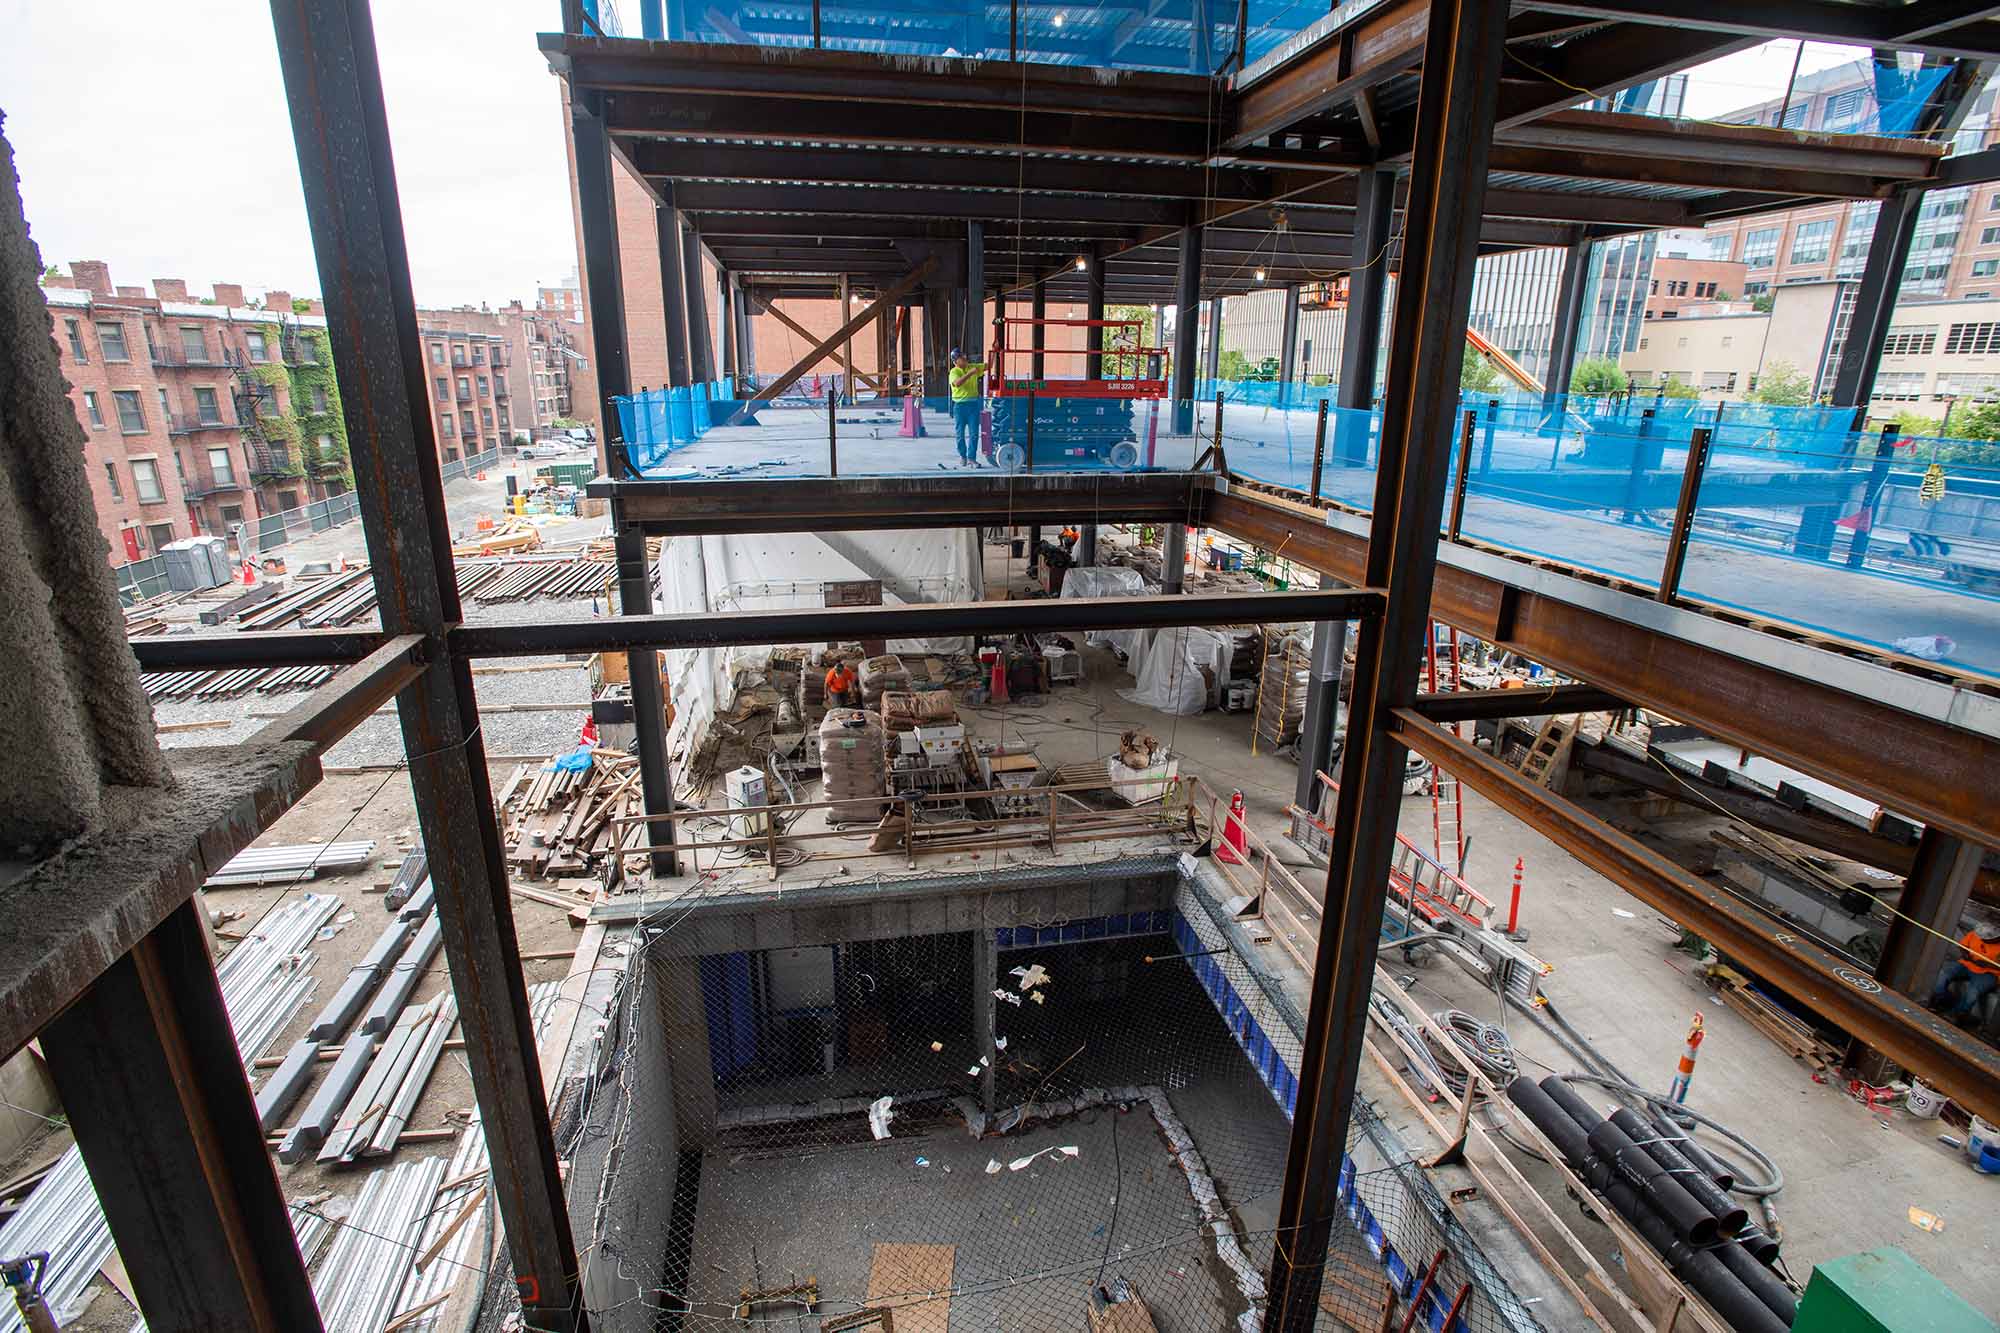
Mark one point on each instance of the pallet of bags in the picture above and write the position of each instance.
(854, 771)
(881, 674)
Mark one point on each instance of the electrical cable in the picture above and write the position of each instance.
(1118, 1190)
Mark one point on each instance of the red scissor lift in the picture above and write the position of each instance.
(1075, 419)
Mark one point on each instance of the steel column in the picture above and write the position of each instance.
(746, 335)
(1173, 557)
(1361, 329)
(1038, 308)
(726, 294)
(1093, 309)
(1212, 364)
(334, 94)
(1569, 314)
(649, 699)
(603, 281)
(156, 1096)
(905, 367)
(1187, 305)
(1086, 545)
(1288, 345)
(1935, 894)
(974, 339)
(673, 297)
(1875, 302)
(846, 343)
(701, 356)
(1316, 729)
(1456, 105)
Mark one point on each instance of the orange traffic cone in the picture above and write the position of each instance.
(1235, 837)
(997, 688)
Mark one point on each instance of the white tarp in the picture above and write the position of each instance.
(778, 571)
(1170, 677)
(1110, 581)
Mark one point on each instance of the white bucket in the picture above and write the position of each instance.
(1978, 1135)
(1924, 1103)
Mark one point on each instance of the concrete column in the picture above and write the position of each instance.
(985, 1009)
(1569, 311)
(1288, 345)
(1322, 707)
(1086, 545)
(1187, 299)
(673, 272)
(1173, 558)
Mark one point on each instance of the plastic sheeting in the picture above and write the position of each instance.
(1170, 673)
(774, 571)
(1110, 581)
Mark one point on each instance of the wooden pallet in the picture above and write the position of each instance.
(1552, 744)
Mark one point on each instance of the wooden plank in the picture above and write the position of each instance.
(901, 1278)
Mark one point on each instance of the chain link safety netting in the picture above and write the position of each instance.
(1023, 1127)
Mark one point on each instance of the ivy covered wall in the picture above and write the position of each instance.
(299, 429)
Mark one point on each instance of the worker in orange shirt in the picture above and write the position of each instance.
(1976, 969)
(1070, 537)
(840, 686)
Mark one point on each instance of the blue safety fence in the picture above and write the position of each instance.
(657, 422)
(1195, 37)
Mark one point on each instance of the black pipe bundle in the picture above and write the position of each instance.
(1691, 1222)
(1601, 1160)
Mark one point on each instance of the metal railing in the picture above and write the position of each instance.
(171, 354)
(180, 423)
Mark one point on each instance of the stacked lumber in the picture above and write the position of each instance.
(1281, 689)
(1786, 1030)
(512, 535)
(558, 822)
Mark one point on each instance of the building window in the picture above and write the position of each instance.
(111, 475)
(267, 400)
(1681, 343)
(288, 500)
(1972, 339)
(478, 354)
(160, 536)
(76, 348)
(1913, 341)
(1719, 381)
(437, 354)
(1760, 247)
(458, 354)
(1812, 242)
(448, 430)
(194, 345)
(465, 426)
(146, 481)
(465, 388)
(1728, 342)
(1985, 268)
(1899, 385)
(259, 349)
(1642, 344)
(281, 454)
(444, 389)
(111, 337)
(319, 399)
(326, 446)
(232, 514)
(1981, 387)
(486, 417)
(207, 407)
(308, 351)
(131, 414)
(484, 391)
(222, 467)
(90, 406)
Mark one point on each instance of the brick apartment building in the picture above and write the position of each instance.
(198, 413)
(1678, 283)
(476, 359)
(557, 355)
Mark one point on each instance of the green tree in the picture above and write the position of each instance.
(51, 271)
(1476, 374)
(1782, 385)
(300, 305)
(1916, 423)
(1724, 296)
(1232, 365)
(1761, 303)
(1598, 375)
(1981, 423)
(1679, 389)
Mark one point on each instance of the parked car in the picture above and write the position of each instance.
(546, 449)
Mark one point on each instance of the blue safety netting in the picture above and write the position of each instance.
(1195, 36)
(656, 422)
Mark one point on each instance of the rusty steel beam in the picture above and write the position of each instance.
(1916, 766)
(1837, 991)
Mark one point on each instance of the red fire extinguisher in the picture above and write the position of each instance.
(1235, 836)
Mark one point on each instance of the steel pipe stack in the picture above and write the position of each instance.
(1646, 1187)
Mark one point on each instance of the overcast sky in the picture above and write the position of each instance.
(154, 136)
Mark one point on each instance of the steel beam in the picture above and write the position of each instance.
(649, 699)
(673, 294)
(1920, 766)
(1187, 305)
(1367, 300)
(1464, 44)
(1288, 344)
(157, 1098)
(334, 94)
(1762, 944)
(1093, 309)
(1875, 302)
(1490, 705)
(973, 339)
(272, 648)
(1922, 932)
(539, 638)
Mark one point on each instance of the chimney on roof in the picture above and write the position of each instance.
(229, 294)
(92, 275)
(139, 292)
(313, 307)
(60, 282)
(170, 289)
(281, 302)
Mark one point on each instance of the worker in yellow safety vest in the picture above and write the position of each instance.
(965, 406)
